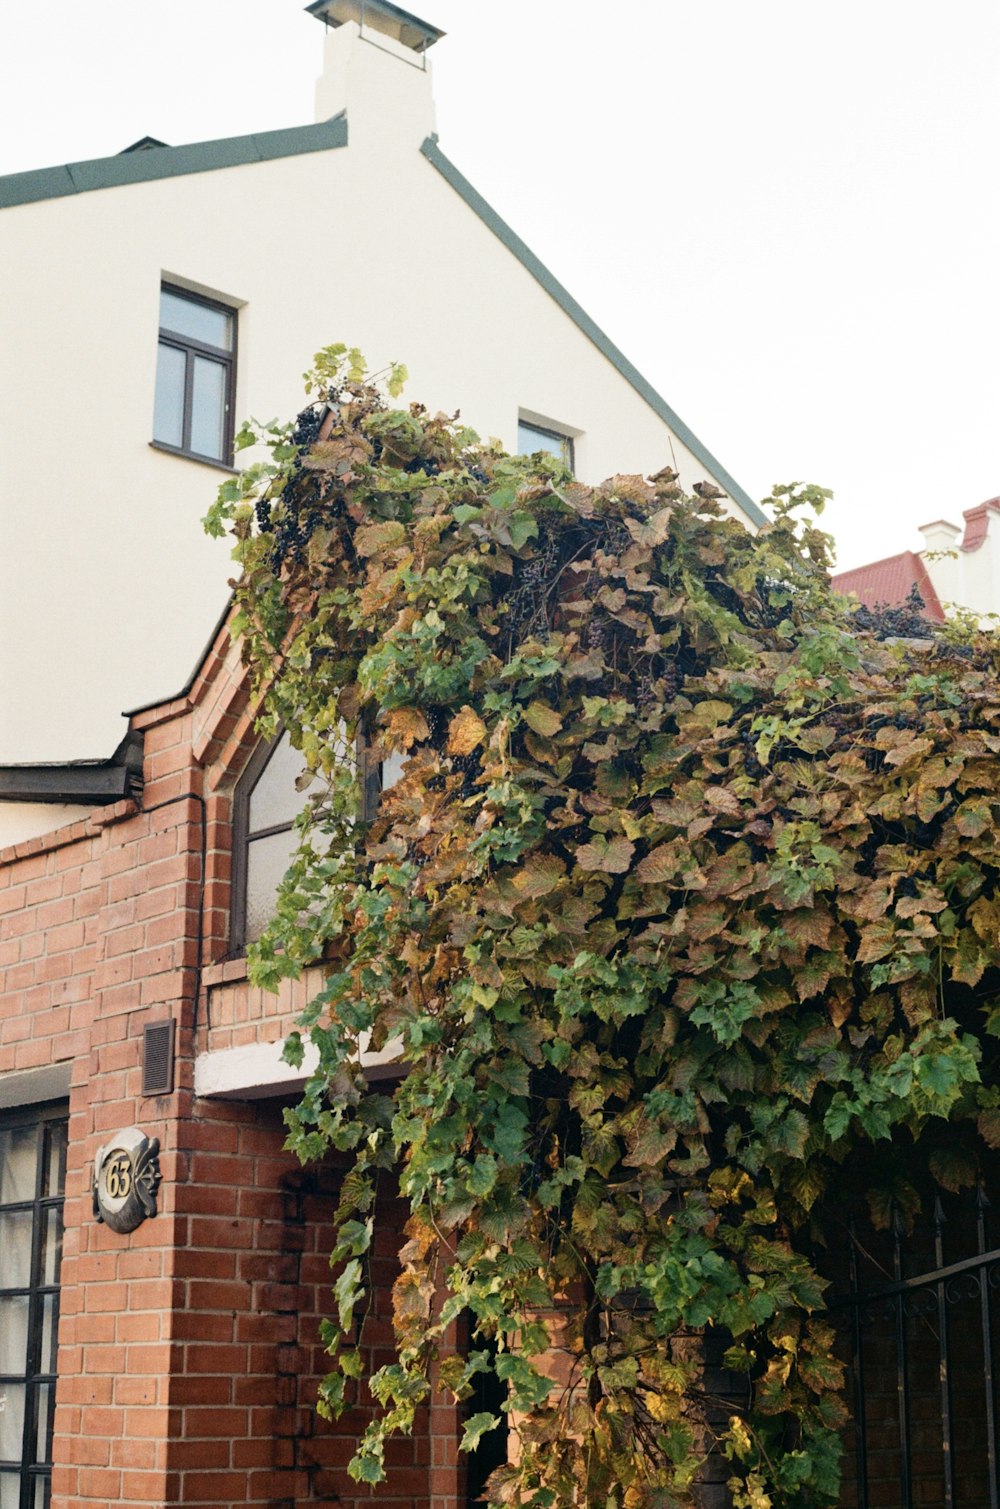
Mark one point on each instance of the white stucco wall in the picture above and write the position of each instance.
(108, 587)
(21, 820)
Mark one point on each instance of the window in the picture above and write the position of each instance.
(264, 837)
(195, 368)
(32, 1177)
(532, 438)
(265, 806)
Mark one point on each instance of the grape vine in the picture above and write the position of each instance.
(684, 916)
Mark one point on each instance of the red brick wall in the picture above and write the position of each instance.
(188, 1352)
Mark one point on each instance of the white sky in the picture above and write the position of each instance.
(784, 212)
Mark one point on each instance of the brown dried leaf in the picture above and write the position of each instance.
(877, 941)
(406, 726)
(659, 866)
(375, 538)
(723, 800)
(539, 874)
(466, 732)
(613, 858)
(902, 754)
(651, 531)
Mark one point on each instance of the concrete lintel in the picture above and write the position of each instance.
(257, 1071)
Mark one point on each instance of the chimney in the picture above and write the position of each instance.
(375, 68)
(940, 535)
(940, 558)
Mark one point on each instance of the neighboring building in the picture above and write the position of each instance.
(955, 569)
(898, 581)
(151, 299)
(157, 297)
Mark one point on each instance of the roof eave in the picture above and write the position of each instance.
(170, 162)
(77, 782)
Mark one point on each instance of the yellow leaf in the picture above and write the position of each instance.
(465, 731)
(540, 874)
(544, 720)
(985, 916)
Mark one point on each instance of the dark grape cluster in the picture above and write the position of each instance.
(294, 531)
(615, 536)
(425, 464)
(645, 693)
(751, 764)
(524, 604)
(597, 632)
(672, 680)
(436, 722)
(307, 428)
(470, 766)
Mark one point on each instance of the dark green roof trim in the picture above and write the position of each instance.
(88, 782)
(170, 162)
(580, 317)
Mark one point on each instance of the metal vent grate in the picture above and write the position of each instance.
(158, 1058)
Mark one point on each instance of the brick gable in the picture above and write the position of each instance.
(188, 1349)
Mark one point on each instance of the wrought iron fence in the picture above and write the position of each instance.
(921, 1320)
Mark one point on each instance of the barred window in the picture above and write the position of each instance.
(32, 1180)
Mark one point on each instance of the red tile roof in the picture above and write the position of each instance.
(888, 583)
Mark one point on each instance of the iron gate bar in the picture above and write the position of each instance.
(921, 1281)
(902, 1375)
(936, 1282)
(982, 1204)
(944, 1360)
(861, 1426)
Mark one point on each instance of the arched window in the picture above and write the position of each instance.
(265, 806)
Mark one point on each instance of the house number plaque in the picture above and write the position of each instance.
(126, 1178)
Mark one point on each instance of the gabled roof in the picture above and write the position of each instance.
(581, 318)
(889, 583)
(169, 162)
(153, 162)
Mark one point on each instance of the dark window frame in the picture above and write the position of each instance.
(370, 779)
(191, 347)
(242, 793)
(28, 1471)
(564, 438)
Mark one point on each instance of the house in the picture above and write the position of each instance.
(957, 568)
(157, 297)
(172, 1357)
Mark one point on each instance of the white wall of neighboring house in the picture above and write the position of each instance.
(964, 563)
(108, 588)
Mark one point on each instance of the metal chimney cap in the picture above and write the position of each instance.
(381, 16)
